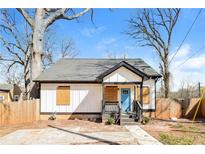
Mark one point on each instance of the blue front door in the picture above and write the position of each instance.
(125, 99)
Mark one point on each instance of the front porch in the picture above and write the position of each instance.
(123, 100)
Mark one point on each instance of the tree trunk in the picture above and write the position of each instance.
(37, 52)
(166, 77)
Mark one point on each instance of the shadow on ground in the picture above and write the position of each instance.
(87, 136)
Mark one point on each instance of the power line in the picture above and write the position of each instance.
(186, 35)
(191, 56)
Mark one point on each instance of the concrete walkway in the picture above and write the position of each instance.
(142, 137)
(66, 135)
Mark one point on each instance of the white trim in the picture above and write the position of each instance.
(122, 74)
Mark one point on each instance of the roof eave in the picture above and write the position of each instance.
(67, 81)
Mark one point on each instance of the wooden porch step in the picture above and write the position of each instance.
(128, 115)
(127, 119)
(128, 123)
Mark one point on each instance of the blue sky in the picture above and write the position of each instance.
(106, 35)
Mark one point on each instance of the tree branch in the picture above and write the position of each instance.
(6, 45)
(61, 14)
(26, 17)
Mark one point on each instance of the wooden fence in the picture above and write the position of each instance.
(166, 108)
(19, 112)
(190, 107)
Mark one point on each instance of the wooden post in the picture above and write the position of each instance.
(141, 102)
(134, 104)
(103, 105)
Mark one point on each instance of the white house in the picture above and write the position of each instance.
(91, 87)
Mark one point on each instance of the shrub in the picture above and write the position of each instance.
(175, 140)
(110, 120)
(145, 120)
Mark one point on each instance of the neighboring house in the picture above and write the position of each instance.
(91, 87)
(9, 92)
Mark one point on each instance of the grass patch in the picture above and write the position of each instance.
(185, 129)
(178, 126)
(193, 129)
(175, 140)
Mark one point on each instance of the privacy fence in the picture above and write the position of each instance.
(19, 112)
(167, 108)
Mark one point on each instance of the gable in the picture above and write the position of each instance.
(122, 74)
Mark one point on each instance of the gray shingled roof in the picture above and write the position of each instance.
(89, 69)
(6, 87)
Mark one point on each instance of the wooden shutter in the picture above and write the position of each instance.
(145, 94)
(110, 94)
(63, 95)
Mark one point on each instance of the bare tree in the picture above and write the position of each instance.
(15, 76)
(39, 20)
(16, 43)
(67, 50)
(27, 49)
(112, 55)
(154, 28)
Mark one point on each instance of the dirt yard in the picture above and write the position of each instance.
(85, 126)
(180, 132)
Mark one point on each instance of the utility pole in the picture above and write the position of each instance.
(199, 87)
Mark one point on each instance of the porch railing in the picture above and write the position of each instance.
(112, 108)
(137, 107)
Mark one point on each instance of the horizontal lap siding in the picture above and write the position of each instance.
(83, 98)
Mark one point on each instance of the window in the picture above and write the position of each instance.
(1, 99)
(125, 91)
(145, 94)
(16, 97)
(63, 95)
(110, 94)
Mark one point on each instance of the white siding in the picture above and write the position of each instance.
(151, 84)
(84, 98)
(122, 74)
